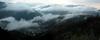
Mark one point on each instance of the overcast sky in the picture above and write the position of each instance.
(91, 3)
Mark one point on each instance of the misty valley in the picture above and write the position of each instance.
(48, 22)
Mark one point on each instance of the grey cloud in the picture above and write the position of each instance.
(59, 9)
(15, 25)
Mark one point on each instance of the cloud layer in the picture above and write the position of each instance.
(39, 18)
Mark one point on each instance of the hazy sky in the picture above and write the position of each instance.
(91, 3)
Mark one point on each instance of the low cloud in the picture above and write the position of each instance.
(49, 13)
(15, 25)
(22, 23)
